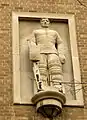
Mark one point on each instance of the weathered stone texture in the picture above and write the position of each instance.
(9, 111)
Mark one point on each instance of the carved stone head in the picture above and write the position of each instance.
(45, 22)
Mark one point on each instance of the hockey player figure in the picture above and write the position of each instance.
(48, 51)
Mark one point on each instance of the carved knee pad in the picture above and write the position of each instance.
(55, 71)
(43, 74)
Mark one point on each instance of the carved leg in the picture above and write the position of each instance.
(43, 69)
(55, 71)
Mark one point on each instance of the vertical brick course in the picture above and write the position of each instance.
(9, 111)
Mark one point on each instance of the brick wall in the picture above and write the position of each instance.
(9, 111)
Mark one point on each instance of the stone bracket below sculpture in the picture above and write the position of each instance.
(49, 103)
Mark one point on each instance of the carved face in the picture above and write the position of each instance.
(45, 22)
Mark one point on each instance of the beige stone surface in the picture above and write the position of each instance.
(48, 98)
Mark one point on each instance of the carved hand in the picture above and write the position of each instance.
(62, 58)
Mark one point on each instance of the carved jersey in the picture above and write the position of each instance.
(47, 40)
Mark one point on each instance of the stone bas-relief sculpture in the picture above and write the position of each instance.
(46, 51)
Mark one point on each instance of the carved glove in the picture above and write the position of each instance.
(62, 58)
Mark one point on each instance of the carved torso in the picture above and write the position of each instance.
(46, 40)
